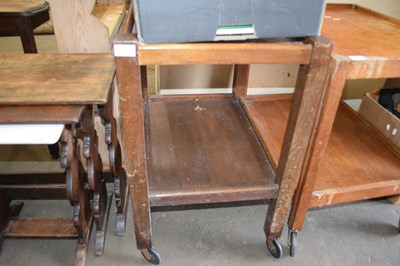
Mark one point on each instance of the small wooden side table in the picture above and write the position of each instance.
(20, 18)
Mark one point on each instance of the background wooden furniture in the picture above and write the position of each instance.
(58, 89)
(201, 149)
(359, 163)
(20, 18)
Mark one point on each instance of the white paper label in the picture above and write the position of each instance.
(124, 50)
(358, 57)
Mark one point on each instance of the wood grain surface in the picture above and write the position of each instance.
(358, 31)
(55, 79)
(224, 53)
(355, 163)
(205, 151)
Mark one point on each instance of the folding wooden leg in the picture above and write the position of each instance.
(101, 200)
(307, 105)
(303, 195)
(132, 115)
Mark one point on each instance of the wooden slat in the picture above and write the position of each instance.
(205, 151)
(357, 31)
(20, 5)
(223, 53)
(55, 79)
(355, 160)
(40, 228)
(40, 114)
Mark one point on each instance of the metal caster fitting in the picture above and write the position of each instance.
(292, 242)
(151, 255)
(274, 248)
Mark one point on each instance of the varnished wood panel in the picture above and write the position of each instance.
(55, 79)
(356, 31)
(355, 160)
(205, 151)
(41, 114)
(224, 53)
(20, 5)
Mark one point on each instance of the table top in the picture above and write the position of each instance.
(358, 31)
(55, 79)
(18, 6)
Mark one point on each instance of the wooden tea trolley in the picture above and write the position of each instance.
(59, 90)
(359, 162)
(200, 149)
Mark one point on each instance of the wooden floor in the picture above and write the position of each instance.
(355, 160)
(205, 151)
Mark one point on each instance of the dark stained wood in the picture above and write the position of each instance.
(223, 53)
(41, 114)
(357, 31)
(20, 18)
(133, 132)
(87, 193)
(101, 200)
(195, 150)
(240, 80)
(40, 228)
(55, 79)
(306, 107)
(120, 180)
(35, 191)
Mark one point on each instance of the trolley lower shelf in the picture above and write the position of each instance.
(358, 164)
(204, 151)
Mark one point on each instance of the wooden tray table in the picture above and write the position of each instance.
(359, 163)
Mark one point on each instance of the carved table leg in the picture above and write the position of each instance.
(76, 193)
(101, 200)
(121, 188)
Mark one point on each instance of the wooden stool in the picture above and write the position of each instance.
(20, 18)
(57, 93)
